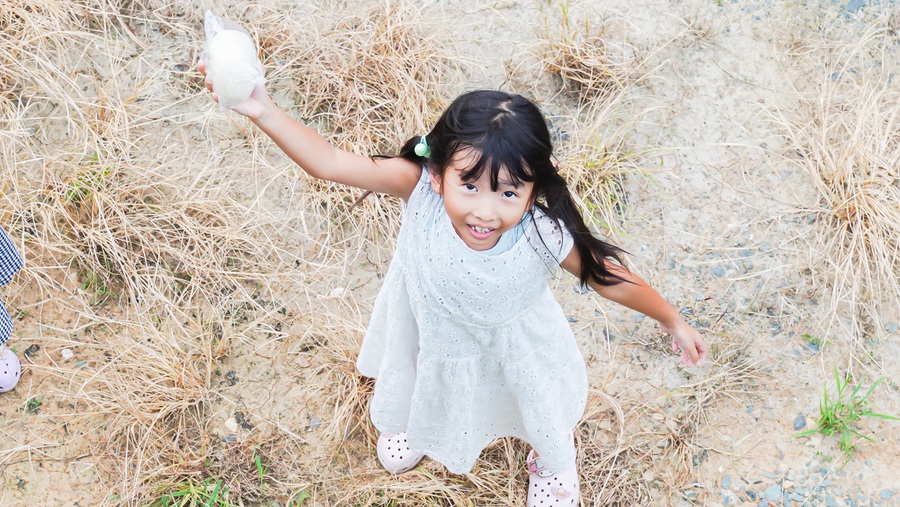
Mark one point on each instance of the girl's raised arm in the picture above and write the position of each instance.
(319, 158)
(640, 297)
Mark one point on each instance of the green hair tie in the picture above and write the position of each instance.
(422, 149)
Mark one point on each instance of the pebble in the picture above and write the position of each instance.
(314, 423)
(773, 493)
(812, 485)
(726, 481)
(67, 354)
(799, 422)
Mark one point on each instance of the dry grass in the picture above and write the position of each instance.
(367, 81)
(595, 162)
(844, 136)
(577, 47)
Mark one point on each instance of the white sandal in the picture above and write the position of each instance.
(395, 455)
(10, 369)
(546, 489)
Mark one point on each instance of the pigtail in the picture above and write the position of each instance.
(559, 205)
(408, 151)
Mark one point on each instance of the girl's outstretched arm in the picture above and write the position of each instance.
(319, 158)
(637, 295)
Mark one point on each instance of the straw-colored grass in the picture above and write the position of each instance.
(595, 161)
(575, 45)
(368, 81)
(844, 136)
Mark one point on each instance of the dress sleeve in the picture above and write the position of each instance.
(549, 238)
(10, 260)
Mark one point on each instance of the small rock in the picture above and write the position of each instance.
(572, 319)
(32, 350)
(80, 364)
(67, 354)
(718, 271)
(799, 422)
(314, 423)
(886, 494)
(726, 481)
(231, 424)
(228, 439)
(773, 493)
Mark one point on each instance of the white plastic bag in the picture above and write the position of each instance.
(232, 63)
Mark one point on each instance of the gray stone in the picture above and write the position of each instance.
(314, 423)
(854, 5)
(829, 501)
(799, 422)
(886, 494)
(726, 481)
(773, 493)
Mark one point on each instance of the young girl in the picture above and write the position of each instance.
(10, 263)
(466, 340)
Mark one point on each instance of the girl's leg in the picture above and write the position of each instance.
(395, 455)
(551, 488)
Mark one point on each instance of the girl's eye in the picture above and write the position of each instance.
(509, 193)
(469, 186)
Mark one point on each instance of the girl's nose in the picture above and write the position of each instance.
(484, 211)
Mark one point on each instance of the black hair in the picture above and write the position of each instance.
(510, 132)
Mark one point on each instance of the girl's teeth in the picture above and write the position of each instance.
(481, 229)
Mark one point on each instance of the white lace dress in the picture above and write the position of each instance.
(468, 347)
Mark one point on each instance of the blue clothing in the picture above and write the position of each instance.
(10, 264)
(508, 238)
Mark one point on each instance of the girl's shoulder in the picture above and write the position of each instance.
(548, 236)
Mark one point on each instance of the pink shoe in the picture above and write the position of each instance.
(395, 456)
(10, 369)
(546, 489)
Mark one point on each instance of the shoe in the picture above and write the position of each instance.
(395, 456)
(546, 489)
(10, 369)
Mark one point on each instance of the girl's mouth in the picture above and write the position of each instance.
(480, 232)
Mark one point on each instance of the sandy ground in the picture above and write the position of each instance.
(710, 224)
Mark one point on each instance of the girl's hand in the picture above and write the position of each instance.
(689, 341)
(254, 107)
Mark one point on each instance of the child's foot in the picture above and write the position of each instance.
(548, 489)
(10, 369)
(395, 456)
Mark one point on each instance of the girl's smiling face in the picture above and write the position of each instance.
(480, 214)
